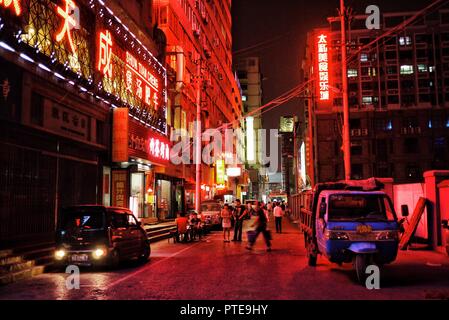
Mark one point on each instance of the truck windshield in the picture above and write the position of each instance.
(360, 207)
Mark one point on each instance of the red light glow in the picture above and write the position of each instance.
(323, 68)
(105, 54)
(69, 23)
(16, 5)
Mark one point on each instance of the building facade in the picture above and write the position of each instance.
(398, 98)
(249, 74)
(199, 43)
(83, 112)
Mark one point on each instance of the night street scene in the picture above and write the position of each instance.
(247, 151)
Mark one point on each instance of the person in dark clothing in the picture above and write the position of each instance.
(239, 214)
(262, 227)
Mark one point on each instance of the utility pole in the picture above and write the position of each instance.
(344, 70)
(198, 137)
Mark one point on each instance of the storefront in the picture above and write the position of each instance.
(64, 66)
(138, 154)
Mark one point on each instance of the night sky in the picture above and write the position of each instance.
(286, 22)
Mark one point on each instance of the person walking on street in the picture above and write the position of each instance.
(261, 227)
(240, 213)
(226, 223)
(278, 213)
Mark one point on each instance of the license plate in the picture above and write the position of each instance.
(80, 257)
(364, 229)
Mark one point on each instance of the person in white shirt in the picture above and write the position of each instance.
(278, 213)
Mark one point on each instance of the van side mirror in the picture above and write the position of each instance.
(404, 210)
(445, 224)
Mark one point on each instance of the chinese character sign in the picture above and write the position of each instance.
(323, 68)
(105, 54)
(141, 82)
(69, 23)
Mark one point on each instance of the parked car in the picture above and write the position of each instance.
(92, 235)
(210, 212)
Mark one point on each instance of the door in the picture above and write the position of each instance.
(321, 224)
(120, 234)
(135, 236)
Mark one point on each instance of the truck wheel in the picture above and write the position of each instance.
(361, 262)
(311, 253)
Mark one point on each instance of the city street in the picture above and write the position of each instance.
(213, 269)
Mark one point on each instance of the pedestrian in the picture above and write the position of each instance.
(181, 227)
(240, 213)
(261, 227)
(278, 213)
(226, 223)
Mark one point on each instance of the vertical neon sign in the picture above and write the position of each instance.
(323, 68)
(15, 5)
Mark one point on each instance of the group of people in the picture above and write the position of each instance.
(188, 228)
(262, 213)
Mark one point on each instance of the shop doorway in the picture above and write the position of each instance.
(163, 199)
(136, 199)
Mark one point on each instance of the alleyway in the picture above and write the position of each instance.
(215, 270)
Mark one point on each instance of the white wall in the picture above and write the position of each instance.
(409, 194)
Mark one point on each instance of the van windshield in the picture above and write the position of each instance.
(360, 207)
(84, 219)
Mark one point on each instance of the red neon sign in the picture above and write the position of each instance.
(105, 54)
(323, 68)
(69, 23)
(16, 5)
(141, 81)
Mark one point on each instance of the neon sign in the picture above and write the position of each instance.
(69, 23)
(105, 54)
(16, 5)
(323, 68)
(141, 82)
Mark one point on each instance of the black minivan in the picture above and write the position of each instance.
(94, 235)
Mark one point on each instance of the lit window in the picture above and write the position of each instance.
(364, 57)
(422, 68)
(244, 98)
(405, 41)
(352, 73)
(389, 125)
(367, 100)
(406, 69)
(432, 69)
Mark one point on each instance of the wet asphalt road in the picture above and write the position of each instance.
(212, 269)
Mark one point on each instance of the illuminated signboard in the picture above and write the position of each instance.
(14, 5)
(83, 44)
(220, 171)
(323, 68)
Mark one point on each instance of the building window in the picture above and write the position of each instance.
(411, 145)
(37, 109)
(413, 171)
(357, 171)
(367, 100)
(392, 70)
(405, 41)
(406, 69)
(356, 150)
(352, 73)
(422, 68)
(244, 98)
(363, 57)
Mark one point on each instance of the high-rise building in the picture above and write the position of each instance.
(82, 113)
(199, 43)
(398, 98)
(249, 74)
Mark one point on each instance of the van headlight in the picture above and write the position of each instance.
(99, 253)
(388, 235)
(336, 235)
(60, 254)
